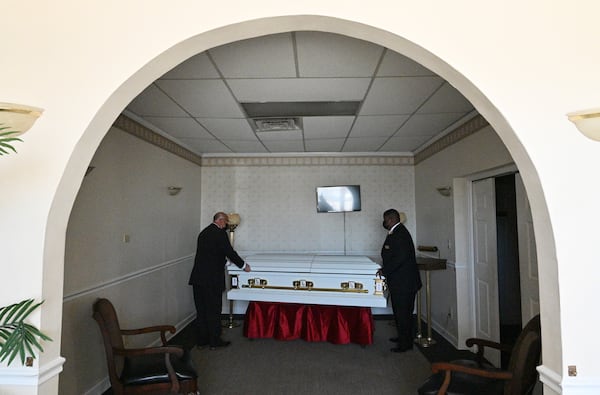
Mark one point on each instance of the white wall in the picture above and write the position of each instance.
(435, 214)
(145, 278)
(277, 205)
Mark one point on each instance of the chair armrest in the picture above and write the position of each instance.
(450, 367)
(131, 352)
(159, 328)
(482, 343)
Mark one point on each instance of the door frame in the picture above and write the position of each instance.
(464, 249)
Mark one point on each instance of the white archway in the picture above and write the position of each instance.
(158, 63)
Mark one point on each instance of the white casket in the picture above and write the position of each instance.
(339, 280)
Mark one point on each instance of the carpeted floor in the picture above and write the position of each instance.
(267, 366)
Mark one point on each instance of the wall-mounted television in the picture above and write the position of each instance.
(338, 199)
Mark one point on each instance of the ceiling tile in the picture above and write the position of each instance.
(285, 146)
(363, 144)
(202, 98)
(324, 145)
(263, 57)
(303, 89)
(396, 65)
(333, 55)
(228, 129)
(377, 125)
(446, 99)
(203, 146)
(196, 67)
(427, 124)
(280, 135)
(322, 67)
(398, 95)
(403, 144)
(242, 146)
(180, 127)
(326, 127)
(153, 102)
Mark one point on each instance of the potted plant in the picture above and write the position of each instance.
(16, 336)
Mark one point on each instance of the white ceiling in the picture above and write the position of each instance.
(403, 105)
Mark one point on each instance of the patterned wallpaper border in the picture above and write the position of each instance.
(466, 129)
(308, 161)
(138, 130)
(132, 127)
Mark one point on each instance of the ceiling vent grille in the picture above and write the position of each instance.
(276, 124)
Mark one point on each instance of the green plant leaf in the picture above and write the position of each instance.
(17, 338)
(6, 138)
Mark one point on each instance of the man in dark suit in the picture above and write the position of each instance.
(208, 280)
(402, 277)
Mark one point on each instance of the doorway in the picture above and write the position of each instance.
(501, 245)
(509, 288)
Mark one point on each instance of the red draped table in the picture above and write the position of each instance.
(314, 323)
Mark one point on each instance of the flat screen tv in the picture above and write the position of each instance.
(338, 199)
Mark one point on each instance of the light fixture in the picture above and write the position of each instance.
(445, 191)
(18, 117)
(234, 221)
(174, 190)
(402, 217)
(588, 122)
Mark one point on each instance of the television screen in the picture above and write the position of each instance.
(338, 199)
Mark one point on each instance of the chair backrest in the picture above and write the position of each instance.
(106, 317)
(524, 359)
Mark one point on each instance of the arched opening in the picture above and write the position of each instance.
(98, 127)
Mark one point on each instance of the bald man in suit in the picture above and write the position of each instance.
(208, 280)
(401, 276)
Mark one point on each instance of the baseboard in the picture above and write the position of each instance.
(550, 378)
(27, 376)
(452, 339)
(99, 388)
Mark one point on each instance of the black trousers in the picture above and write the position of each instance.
(403, 304)
(208, 303)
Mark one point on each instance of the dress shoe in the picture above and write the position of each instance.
(401, 349)
(220, 344)
(394, 339)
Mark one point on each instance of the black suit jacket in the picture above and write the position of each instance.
(211, 253)
(399, 261)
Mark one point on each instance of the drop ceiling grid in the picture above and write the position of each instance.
(406, 104)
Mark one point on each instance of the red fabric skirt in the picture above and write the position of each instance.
(314, 323)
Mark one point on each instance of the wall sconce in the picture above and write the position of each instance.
(445, 191)
(17, 117)
(588, 122)
(174, 190)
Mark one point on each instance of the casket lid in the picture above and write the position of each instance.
(310, 263)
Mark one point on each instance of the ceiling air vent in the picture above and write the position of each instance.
(276, 124)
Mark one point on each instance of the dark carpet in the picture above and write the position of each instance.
(268, 366)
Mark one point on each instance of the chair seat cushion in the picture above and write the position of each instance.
(464, 384)
(151, 369)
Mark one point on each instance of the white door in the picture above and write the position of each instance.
(487, 321)
(530, 290)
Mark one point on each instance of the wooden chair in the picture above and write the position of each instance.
(153, 370)
(479, 377)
